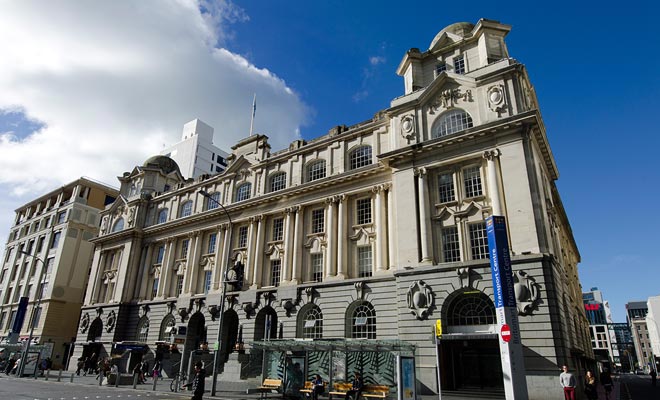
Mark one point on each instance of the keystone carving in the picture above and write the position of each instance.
(110, 321)
(527, 292)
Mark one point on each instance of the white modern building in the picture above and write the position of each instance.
(350, 248)
(51, 238)
(653, 325)
(196, 154)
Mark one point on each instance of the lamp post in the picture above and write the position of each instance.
(216, 355)
(35, 307)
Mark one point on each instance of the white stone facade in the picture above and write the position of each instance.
(367, 219)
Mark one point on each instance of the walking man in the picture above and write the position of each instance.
(567, 381)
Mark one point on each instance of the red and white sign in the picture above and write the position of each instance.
(506, 333)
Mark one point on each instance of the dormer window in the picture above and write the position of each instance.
(450, 122)
(118, 226)
(459, 64)
(441, 67)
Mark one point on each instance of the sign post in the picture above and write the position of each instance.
(513, 366)
(438, 335)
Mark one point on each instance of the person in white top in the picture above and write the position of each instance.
(567, 381)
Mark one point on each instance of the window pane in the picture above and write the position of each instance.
(278, 182)
(186, 209)
(316, 171)
(365, 261)
(459, 65)
(243, 192)
(479, 241)
(363, 211)
(450, 244)
(360, 157)
(213, 201)
(317, 267)
(242, 236)
(451, 122)
(162, 216)
(278, 229)
(446, 188)
(318, 221)
(313, 325)
(275, 271)
(364, 322)
(207, 281)
(472, 180)
(212, 239)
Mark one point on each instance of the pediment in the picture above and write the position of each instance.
(448, 91)
(239, 164)
(467, 210)
(118, 206)
(444, 39)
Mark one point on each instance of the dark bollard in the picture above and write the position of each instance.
(155, 380)
(176, 383)
(135, 379)
(47, 374)
(100, 378)
(72, 377)
(59, 376)
(117, 380)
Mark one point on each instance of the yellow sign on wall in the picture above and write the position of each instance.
(438, 327)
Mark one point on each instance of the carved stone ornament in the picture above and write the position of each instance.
(527, 292)
(464, 277)
(359, 290)
(448, 98)
(131, 216)
(144, 310)
(110, 321)
(496, 98)
(420, 299)
(408, 127)
(84, 323)
(104, 224)
(214, 311)
(183, 313)
(287, 305)
(248, 307)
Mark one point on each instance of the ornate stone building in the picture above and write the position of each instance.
(373, 231)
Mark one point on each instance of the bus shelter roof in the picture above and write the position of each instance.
(343, 345)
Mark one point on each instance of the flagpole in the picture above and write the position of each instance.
(254, 111)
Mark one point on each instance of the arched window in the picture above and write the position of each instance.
(310, 322)
(361, 321)
(167, 328)
(360, 157)
(316, 170)
(118, 226)
(451, 122)
(278, 181)
(186, 209)
(142, 333)
(95, 330)
(213, 201)
(469, 308)
(243, 191)
(162, 216)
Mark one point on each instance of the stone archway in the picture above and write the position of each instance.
(265, 324)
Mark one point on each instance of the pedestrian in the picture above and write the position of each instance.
(80, 365)
(567, 381)
(91, 368)
(590, 386)
(356, 388)
(606, 381)
(318, 387)
(156, 370)
(197, 382)
(137, 371)
(10, 364)
(145, 370)
(654, 376)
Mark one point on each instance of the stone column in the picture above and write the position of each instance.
(165, 279)
(492, 158)
(331, 235)
(219, 267)
(226, 252)
(258, 253)
(341, 237)
(145, 270)
(286, 262)
(249, 267)
(96, 277)
(380, 232)
(422, 194)
(297, 246)
(192, 261)
(390, 227)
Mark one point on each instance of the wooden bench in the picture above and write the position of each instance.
(340, 389)
(376, 391)
(307, 390)
(268, 386)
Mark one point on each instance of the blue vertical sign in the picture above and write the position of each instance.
(500, 262)
(511, 350)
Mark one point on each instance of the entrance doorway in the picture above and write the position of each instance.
(471, 365)
(229, 333)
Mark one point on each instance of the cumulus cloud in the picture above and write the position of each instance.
(375, 60)
(111, 83)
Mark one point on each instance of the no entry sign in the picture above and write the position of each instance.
(506, 333)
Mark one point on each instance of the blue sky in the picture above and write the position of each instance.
(83, 88)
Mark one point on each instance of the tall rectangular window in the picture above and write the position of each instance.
(318, 220)
(154, 288)
(207, 282)
(446, 188)
(42, 289)
(179, 285)
(317, 267)
(36, 316)
(278, 229)
(56, 239)
(363, 211)
(160, 254)
(40, 244)
(278, 182)
(459, 64)
(472, 181)
(184, 248)
(213, 237)
(450, 244)
(61, 217)
(242, 236)
(12, 317)
(3, 316)
(478, 241)
(441, 67)
(49, 265)
(275, 272)
(365, 261)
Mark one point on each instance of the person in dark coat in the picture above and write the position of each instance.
(197, 382)
(356, 388)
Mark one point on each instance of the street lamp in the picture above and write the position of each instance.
(216, 356)
(35, 307)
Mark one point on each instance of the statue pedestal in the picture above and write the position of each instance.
(233, 367)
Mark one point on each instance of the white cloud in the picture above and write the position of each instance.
(113, 82)
(375, 60)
